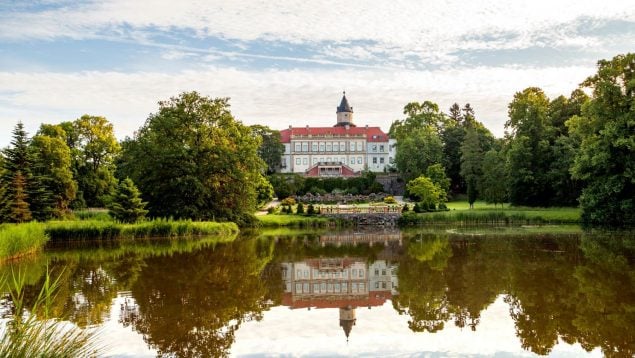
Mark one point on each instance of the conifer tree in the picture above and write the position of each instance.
(15, 178)
(19, 207)
(127, 205)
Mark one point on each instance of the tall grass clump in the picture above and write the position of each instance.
(274, 220)
(109, 230)
(30, 332)
(21, 239)
(488, 217)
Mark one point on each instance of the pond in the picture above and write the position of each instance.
(427, 292)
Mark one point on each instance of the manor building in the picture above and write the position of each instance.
(342, 150)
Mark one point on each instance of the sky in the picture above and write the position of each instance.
(287, 62)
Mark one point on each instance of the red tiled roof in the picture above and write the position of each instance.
(373, 134)
(373, 299)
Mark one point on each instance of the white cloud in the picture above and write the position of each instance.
(273, 97)
(429, 29)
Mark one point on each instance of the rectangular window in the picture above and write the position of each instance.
(376, 272)
(354, 287)
(361, 273)
(383, 272)
(337, 287)
(298, 288)
(305, 146)
(322, 159)
(336, 147)
(359, 146)
(306, 287)
(381, 148)
(329, 287)
(297, 147)
(344, 287)
(354, 273)
(374, 147)
(323, 287)
(305, 161)
(314, 160)
(374, 160)
(376, 284)
(328, 159)
(298, 161)
(329, 147)
(362, 287)
(284, 162)
(342, 146)
(314, 147)
(316, 287)
(359, 160)
(321, 147)
(381, 160)
(383, 285)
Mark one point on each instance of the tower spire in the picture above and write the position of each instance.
(344, 112)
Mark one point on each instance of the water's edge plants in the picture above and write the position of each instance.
(17, 240)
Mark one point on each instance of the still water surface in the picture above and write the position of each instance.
(477, 292)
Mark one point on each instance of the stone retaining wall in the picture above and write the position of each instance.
(379, 219)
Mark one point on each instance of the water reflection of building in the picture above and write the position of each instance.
(345, 283)
(363, 235)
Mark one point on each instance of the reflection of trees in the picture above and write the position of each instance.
(555, 291)
(192, 304)
(606, 306)
(543, 291)
(439, 281)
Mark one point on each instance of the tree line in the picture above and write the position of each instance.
(563, 151)
(192, 159)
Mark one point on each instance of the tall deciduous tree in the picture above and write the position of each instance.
(471, 161)
(606, 160)
(52, 163)
(96, 148)
(192, 159)
(271, 149)
(493, 184)
(530, 148)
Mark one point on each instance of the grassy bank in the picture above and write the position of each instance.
(105, 230)
(282, 220)
(21, 239)
(509, 216)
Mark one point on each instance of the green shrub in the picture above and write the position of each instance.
(418, 208)
(390, 200)
(300, 209)
(290, 201)
(405, 208)
(310, 211)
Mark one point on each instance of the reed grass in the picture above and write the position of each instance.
(109, 230)
(507, 217)
(282, 220)
(21, 239)
(30, 332)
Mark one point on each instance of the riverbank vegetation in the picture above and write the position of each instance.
(283, 220)
(21, 239)
(30, 331)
